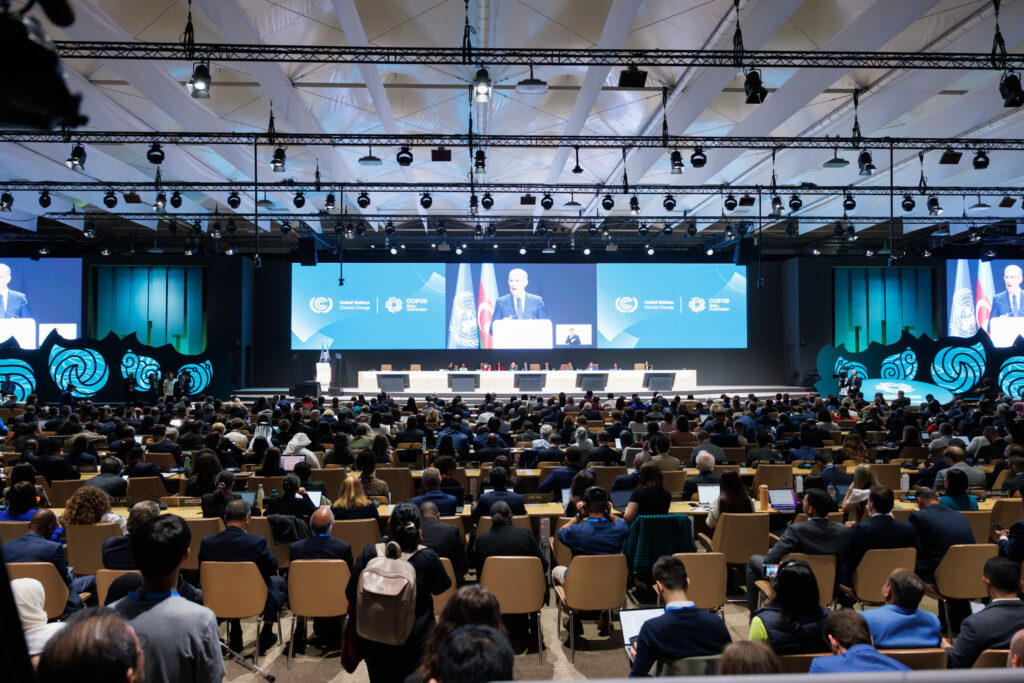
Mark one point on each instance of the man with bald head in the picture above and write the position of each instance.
(13, 304)
(320, 546)
(36, 546)
(1015, 660)
(1008, 304)
(519, 304)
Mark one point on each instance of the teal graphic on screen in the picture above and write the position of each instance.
(681, 306)
(380, 306)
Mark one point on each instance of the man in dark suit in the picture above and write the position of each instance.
(602, 453)
(855, 382)
(553, 453)
(816, 536)
(519, 304)
(1015, 482)
(628, 482)
(109, 479)
(36, 546)
(573, 339)
(830, 472)
(1011, 541)
(445, 539)
(136, 468)
(446, 503)
(562, 477)
(412, 433)
(164, 443)
(446, 465)
(993, 627)
(705, 475)
(320, 546)
(492, 449)
(1009, 304)
(234, 544)
(938, 527)
(879, 531)
(498, 478)
(55, 467)
(12, 304)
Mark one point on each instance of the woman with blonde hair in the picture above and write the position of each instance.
(854, 448)
(90, 505)
(353, 503)
(855, 503)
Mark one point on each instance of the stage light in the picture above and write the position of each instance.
(155, 155)
(478, 230)
(110, 200)
(698, 159)
(950, 157)
(299, 200)
(1010, 89)
(908, 203)
(458, 251)
(370, 159)
(667, 230)
(979, 205)
(851, 234)
(531, 85)
(730, 203)
(691, 230)
(160, 201)
(360, 228)
(869, 252)
(394, 251)
(426, 200)
(547, 202)
(777, 209)
(795, 203)
(76, 162)
(632, 77)
(980, 160)
(234, 200)
(607, 203)
(541, 228)
(839, 230)
(176, 199)
(230, 251)
(480, 162)
(482, 86)
(89, 231)
(634, 205)
(105, 251)
(199, 85)
(522, 251)
(277, 163)
(710, 251)
(329, 202)
(1007, 202)
(491, 230)
(849, 203)
(642, 229)
(791, 230)
(650, 250)
(677, 162)
(286, 228)
(934, 208)
(215, 232)
(6, 201)
(404, 156)
(172, 226)
(926, 252)
(231, 226)
(197, 227)
(337, 227)
(990, 253)
(586, 251)
(754, 88)
(577, 169)
(572, 201)
(729, 232)
(363, 200)
(865, 164)
(591, 229)
(669, 203)
(440, 228)
(188, 250)
(814, 251)
(44, 199)
(389, 228)
(487, 201)
(836, 161)
(747, 200)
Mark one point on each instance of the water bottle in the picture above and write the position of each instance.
(260, 496)
(273, 494)
(831, 491)
(423, 446)
(799, 484)
(905, 482)
(188, 465)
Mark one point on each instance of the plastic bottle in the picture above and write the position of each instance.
(188, 465)
(273, 494)
(905, 482)
(260, 495)
(762, 497)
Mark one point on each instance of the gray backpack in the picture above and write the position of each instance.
(386, 596)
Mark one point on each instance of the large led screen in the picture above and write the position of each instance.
(39, 296)
(986, 296)
(519, 306)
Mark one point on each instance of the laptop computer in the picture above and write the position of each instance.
(783, 500)
(620, 499)
(288, 462)
(313, 496)
(249, 497)
(707, 493)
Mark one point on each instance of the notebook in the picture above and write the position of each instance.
(782, 499)
(707, 493)
(313, 496)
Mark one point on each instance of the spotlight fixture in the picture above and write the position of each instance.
(231, 250)
(698, 159)
(487, 201)
(729, 232)
(1010, 89)
(1006, 202)
(188, 251)
(458, 251)
(642, 229)
(6, 201)
(836, 161)
(482, 86)
(634, 205)
(480, 162)
(197, 227)
(234, 200)
(76, 162)
(791, 230)
(110, 200)
(926, 252)
(547, 202)
(404, 156)
(44, 199)
(934, 208)
(849, 203)
(950, 157)
(677, 162)
(278, 161)
(89, 231)
(669, 203)
(650, 250)
(338, 227)
(869, 252)
(286, 228)
(777, 209)
(440, 154)
(440, 228)
(980, 160)
(572, 203)
(979, 205)
(691, 230)
(370, 159)
(522, 251)
(991, 253)
(908, 203)
(215, 231)
(363, 200)
(172, 226)
(393, 250)
(329, 202)
(795, 203)
(176, 199)
(710, 251)
(531, 85)
(730, 202)
(105, 251)
(160, 201)
(851, 234)
(426, 200)
(632, 77)
(586, 251)
(478, 230)
(389, 228)
(155, 155)
(299, 200)
(231, 228)
(541, 228)
(747, 200)
(527, 200)
(361, 228)
(491, 230)
(607, 203)
(592, 229)
(666, 230)
(864, 163)
(199, 85)
(814, 251)
(754, 88)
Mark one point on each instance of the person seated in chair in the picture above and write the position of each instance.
(899, 623)
(992, 627)
(850, 641)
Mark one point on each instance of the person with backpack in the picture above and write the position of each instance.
(392, 586)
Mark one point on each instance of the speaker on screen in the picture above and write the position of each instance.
(744, 252)
(307, 251)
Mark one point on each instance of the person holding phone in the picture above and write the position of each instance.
(791, 623)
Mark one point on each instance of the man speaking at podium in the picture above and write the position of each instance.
(1006, 304)
(519, 304)
(15, 304)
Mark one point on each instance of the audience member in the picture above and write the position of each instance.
(293, 501)
(352, 503)
(899, 623)
(30, 599)
(370, 484)
(879, 531)
(498, 477)
(446, 504)
(562, 477)
(445, 539)
(650, 496)
(95, 646)
(1011, 541)
(958, 458)
(732, 497)
(475, 654)
(505, 539)
(36, 546)
(471, 604)
(705, 475)
(855, 502)
(994, 626)
(320, 546)
(746, 658)
(109, 479)
(791, 623)
(938, 527)
(849, 639)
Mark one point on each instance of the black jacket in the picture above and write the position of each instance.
(446, 542)
(878, 532)
(506, 540)
(114, 485)
(320, 548)
(938, 527)
(991, 628)
(234, 544)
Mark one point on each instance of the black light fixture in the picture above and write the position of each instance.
(950, 157)
(1010, 89)
(44, 199)
(426, 200)
(278, 161)
(176, 199)
(541, 228)
(197, 227)
(691, 230)
(754, 88)
(908, 203)
(329, 202)
(6, 201)
(76, 162)
(677, 162)
(487, 201)
(698, 159)
(480, 162)
(199, 85)
(370, 159)
(482, 86)
(577, 169)
(836, 161)
(234, 200)
(110, 200)
(160, 201)
(980, 160)
(440, 154)
(440, 227)
(104, 251)
(632, 77)
(650, 250)
(1007, 202)
(851, 233)
(215, 231)
(491, 230)
(777, 209)
(90, 231)
(155, 155)
(864, 163)
(849, 203)
(814, 251)
(592, 229)
(172, 226)
(285, 227)
(666, 230)
(980, 205)
(642, 229)
(231, 250)
(360, 228)
(791, 229)
(389, 228)
(710, 251)
(231, 227)
(934, 208)
(607, 202)
(299, 200)
(363, 200)
(531, 85)
(747, 200)
(404, 156)
(730, 202)
(547, 202)
(669, 203)
(795, 203)
(474, 203)
(634, 205)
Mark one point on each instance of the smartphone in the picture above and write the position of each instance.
(770, 571)
(997, 526)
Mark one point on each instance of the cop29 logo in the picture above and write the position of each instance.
(697, 304)
(626, 304)
(393, 304)
(321, 304)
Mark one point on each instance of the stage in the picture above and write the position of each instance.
(535, 381)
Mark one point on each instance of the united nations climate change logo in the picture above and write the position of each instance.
(697, 304)
(321, 304)
(962, 317)
(393, 304)
(626, 304)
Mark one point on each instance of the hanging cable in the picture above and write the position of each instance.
(664, 116)
(467, 44)
(625, 173)
(856, 121)
(188, 38)
(775, 178)
(737, 40)
(998, 44)
(922, 184)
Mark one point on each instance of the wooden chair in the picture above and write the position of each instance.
(913, 453)
(672, 480)
(560, 553)
(332, 480)
(105, 577)
(484, 523)
(415, 367)
(710, 572)
(722, 469)
(85, 545)
(888, 475)
(735, 456)
(261, 527)
(594, 583)
(798, 664)
(234, 590)
(54, 588)
(832, 517)
(456, 521)
(12, 530)
(316, 588)
(442, 599)
(738, 536)
(269, 484)
(606, 475)
(200, 528)
(959, 575)
(145, 488)
(981, 524)
(1000, 480)
(379, 500)
(921, 658)
(824, 568)
(399, 481)
(520, 586)
(164, 461)
(385, 367)
(358, 533)
(1005, 511)
(62, 489)
(991, 659)
(873, 571)
(774, 476)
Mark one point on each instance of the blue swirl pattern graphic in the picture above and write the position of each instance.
(851, 365)
(85, 368)
(21, 375)
(141, 367)
(201, 374)
(1011, 377)
(958, 368)
(900, 366)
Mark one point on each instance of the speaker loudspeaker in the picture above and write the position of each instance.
(307, 251)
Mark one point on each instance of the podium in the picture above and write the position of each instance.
(1005, 330)
(592, 381)
(323, 376)
(393, 382)
(23, 330)
(659, 381)
(522, 334)
(463, 381)
(530, 381)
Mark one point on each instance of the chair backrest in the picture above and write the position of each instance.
(888, 475)
(332, 479)
(85, 545)
(981, 524)
(708, 574)
(54, 588)
(722, 469)
(12, 530)
(534, 366)
(357, 532)
(105, 577)
(517, 582)
(638, 366)
(316, 588)
(261, 527)
(912, 453)
(596, 582)
(832, 517)
(145, 488)
(233, 590)
(415, 367)
(1005, 511)
(164, 461)
(62, 489)
(456, 521)
(874, 569)
(738, 535)
(441, 600)
(735, 456)
(1000, 480)
(606, 475)
(269, 484)
(561, 553)
(797, 664)
(824, 568)
(485, 523)
(704, 665)
(991, 659)
(773, 476)
(200, 528)
(673, 480)
(41, 481)
(959, 575)
(399, 481)
(385, 367)
(921, 658)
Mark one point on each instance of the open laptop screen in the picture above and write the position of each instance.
(288, 462)
(782, 497)
(707, 493)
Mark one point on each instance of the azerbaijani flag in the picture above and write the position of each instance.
(986, 292)
(486, 297)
